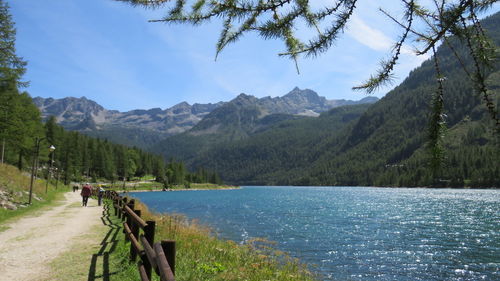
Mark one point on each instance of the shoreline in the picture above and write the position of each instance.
(374, 186)
(177, 189)
(382, 187)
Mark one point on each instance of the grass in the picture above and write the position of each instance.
(201, 256)
(74, 264)
(17, 183)
(106, 259)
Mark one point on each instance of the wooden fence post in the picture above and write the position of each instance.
(165, 249)
(127, 218)
(149, 234)
(135, 231)
(169, 250)
(131, 205)
(122, 209)
(115, 204)
(121, 203)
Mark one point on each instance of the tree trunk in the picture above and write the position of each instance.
(20, 162)
(3, 148)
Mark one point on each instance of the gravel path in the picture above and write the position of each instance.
(31, 243)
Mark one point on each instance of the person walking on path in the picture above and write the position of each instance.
(86, 192)
(100, 193)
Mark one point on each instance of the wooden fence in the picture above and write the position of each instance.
(159, 256)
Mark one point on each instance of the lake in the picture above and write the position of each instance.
(358, 233)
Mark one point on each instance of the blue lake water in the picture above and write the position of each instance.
(358, 233)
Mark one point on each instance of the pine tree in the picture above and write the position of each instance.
(28, 126)
(12, 69)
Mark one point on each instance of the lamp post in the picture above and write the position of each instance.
(51, 149)
(34, 164)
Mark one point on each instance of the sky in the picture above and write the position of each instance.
(108, 52)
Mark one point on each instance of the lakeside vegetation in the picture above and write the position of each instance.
(155, 186)
(202, 256)
(151, 185)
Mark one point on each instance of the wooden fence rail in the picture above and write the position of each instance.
(159, 256)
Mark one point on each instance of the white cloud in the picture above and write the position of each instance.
(368, 36)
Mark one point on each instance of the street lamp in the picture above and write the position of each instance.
(34, 164)
(51, 149)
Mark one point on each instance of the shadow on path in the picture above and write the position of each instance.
(108, 245)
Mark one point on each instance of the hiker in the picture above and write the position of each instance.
(75, 187)
(100, 194)
(86, 192)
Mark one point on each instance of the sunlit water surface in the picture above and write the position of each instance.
(358, 233)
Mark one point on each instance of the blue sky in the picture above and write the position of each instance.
(107, 51)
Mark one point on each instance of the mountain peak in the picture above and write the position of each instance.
(244, 99)
(370, 99)
(243, 96)
(181, 105)
(306, 95)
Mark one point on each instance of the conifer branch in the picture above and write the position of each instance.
(437, 124)
(412, 30)
(154, 4)
(324, 41)
(457, 56)
(384, 74)
(447, 20)
(481, 57)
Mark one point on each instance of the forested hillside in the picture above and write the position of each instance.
(385, 146)
(244, 117)
(284, 148)
(234, 121)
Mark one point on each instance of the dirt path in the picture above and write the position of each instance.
(31, 243)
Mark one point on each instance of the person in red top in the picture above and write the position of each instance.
(86, 192)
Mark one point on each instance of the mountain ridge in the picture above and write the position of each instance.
(87, 116)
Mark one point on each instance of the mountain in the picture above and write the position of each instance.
(144, 128)
(286, 146)
(137, 127)
(245, 116)
(383, 144)
(304, 102)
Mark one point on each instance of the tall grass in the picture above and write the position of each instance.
(17, 184)
(202, 256)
